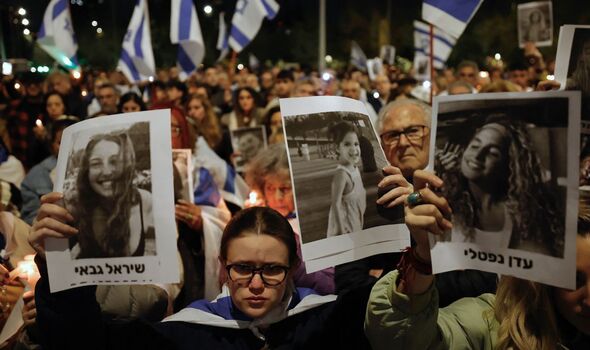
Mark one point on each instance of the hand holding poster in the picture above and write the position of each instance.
(107, 173)
(509, 162)
(336, 162)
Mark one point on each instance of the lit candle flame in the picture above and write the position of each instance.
(253, 198)
(27, 270)
(39, 123)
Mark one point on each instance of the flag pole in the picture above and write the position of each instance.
(431, 58)
(322, 37)
(232, 66)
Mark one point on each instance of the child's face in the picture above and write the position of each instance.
(349, 149)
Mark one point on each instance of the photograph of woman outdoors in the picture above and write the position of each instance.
(496, 186)
(113, 215)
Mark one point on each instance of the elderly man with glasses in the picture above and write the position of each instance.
(404, 127)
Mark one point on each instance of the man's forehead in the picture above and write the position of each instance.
(402, 117)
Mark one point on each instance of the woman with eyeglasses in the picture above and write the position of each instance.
(259, 307)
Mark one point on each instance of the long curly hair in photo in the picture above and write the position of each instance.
(530, 204)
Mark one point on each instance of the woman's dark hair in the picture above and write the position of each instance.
(63, 100)
(125, 195)
(260, 221)
(252, 92)
(131, 96)
(338, 131)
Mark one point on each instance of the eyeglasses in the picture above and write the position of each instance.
(271, 275)
(413, 133)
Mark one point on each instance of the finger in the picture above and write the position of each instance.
(55, 211)
(393, 194)
(56, 225)
(399, 200)
(391, 170)
(424, 177)
(440, 202)
(391, 180)
(429, 218)
(51, 197)
(430, 210)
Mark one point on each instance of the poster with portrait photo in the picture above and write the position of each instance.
(535, 23)
(387, 54)
(509, 162)
(572, 62)
(336, 162)
(183, 175)
(116, 176)
(247, 142)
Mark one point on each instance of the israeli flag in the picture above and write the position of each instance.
(452, 15)
(442, 46)
(357, 56)
(56, 35)
(137, 56)
(185, 31)
(229, 185)
(222, 38)
(247, 20)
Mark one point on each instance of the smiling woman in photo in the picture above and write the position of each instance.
(497, 192)
(114, 215)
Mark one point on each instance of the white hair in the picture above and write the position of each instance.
(384, 113)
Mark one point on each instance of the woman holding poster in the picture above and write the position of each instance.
(403, 309)
(498, 192)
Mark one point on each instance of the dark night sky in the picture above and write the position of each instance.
(293, 34)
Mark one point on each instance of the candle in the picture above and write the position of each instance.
(253, 198)
(27, 270)
(39, 123)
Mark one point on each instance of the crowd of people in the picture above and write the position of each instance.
(243, 284)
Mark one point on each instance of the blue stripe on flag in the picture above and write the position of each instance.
(460, 9)
(130, 65)
(230, 180)
(206, 192)
(138, 38)
(41, 33)
(74, 60)
(185, 61)
(184, 22)
(426, 53)
(238, 36)
(438, 37)
(59, 7)
(270, 12)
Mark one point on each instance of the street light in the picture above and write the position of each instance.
(99, 30)
(208, 9)
(22, 11)
(25, 22)
(94, 23)
(26, 31)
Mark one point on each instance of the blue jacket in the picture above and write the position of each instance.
(36, 184)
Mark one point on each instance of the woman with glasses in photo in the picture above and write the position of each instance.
(258, 308)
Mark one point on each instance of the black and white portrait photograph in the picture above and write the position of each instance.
(247, 142)
(109, 192)
(508, 162)
(183, 176)
(572, 63)
(336, 163)
(107, 173)
(387, 54)
(535, 23)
